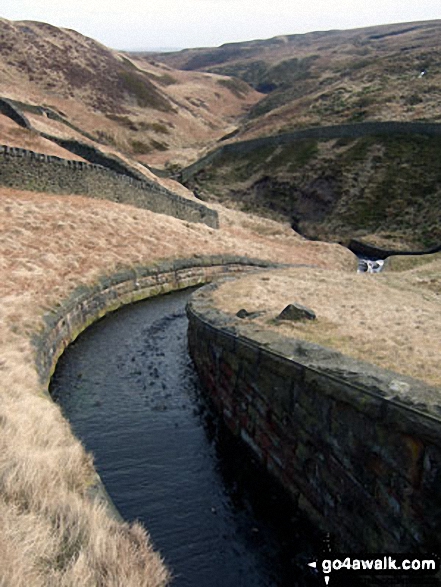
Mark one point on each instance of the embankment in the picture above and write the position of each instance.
(344, 437)
(367, 250)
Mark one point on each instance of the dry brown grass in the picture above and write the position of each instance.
(391, 320)
(347, 76)
(78, 77)
(52, 534)
(15, 136)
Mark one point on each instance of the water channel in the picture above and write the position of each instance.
(128, 388)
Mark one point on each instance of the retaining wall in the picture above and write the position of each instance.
(23, 169)
(357, 452)
(323, 132)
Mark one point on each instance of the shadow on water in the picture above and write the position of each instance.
(129, 389)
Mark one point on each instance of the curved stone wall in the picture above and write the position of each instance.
(88, 304)
(321, 132)
(357, 447)
(23, 169)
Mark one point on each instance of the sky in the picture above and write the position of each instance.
(154, 24)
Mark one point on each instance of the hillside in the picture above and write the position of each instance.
(144, 110)
(139, 106)
(385, 190)
(331, 77)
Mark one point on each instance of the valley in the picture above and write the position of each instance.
(125, 175)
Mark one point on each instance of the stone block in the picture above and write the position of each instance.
(343, 391)
(276, 391)
(281, 366)
(411, 421)
(317, 405)
(252, 444)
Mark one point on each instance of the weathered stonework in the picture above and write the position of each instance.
(23, 169)
(357, 447)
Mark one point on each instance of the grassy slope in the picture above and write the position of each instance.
(332, 77)
(52, 535)
(385, 190)
(135, 104)
(366, 319)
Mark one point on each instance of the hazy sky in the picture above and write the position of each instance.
(143, 24)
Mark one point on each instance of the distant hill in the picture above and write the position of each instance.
(166, 110)
(386, 190)
(134, 104)
(382, 189)
(390, 72)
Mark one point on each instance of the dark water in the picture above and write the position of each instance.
(128, 388)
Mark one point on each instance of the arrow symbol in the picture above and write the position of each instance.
(327, 579)
(313, 565)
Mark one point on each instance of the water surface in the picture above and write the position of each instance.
(129, 389)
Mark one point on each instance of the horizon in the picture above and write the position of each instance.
(163, 25)
(175, 49)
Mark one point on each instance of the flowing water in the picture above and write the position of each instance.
(128, 388)
(367, 265)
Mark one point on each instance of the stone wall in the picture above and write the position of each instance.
(9, 109)
(188, 172)
(88, 304)
(357, 452)
(23, 169)
(93, 155)
(352, 131)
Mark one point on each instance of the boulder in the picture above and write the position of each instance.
(295, 312)
(245, 314)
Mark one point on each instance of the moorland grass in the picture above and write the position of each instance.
(53, 533)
